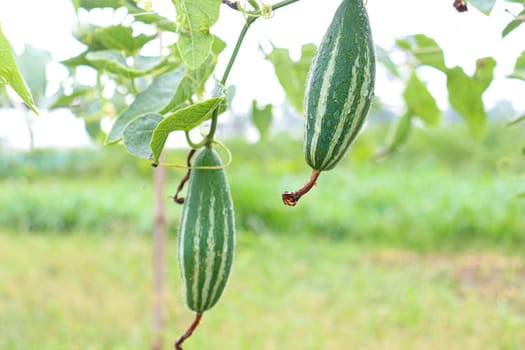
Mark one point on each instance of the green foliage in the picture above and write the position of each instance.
(420, 102)
(183, 119)
(195, 19)
(262, 119)
(164, 92)
(138, 134)
(425, 50)
(519, 68)
(10, 74)
(465, 93)
(291, 74)
(484, 6)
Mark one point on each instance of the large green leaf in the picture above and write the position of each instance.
(465, 94)
(519, 68)
(196, 18)
(32, 63)
(262, 118)
(92, 4)
(291, 74)
(160, 95)
(484, 6)
(515, 23)
(420, 101)
(10, 74)
(425, 50)
(183, 119)
(120, 38)
(137, 134)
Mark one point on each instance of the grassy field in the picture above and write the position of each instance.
(94, 292)
(423, 250)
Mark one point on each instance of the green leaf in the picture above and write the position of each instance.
(519, 68)
(465, 94)
(10, 74)
(32, 63)
(149, 17)
(92, 4)
(120, 38)
(484, 73)
(292, 75)
(262, 118)
(385, 60)
(137, 134)
(485, 6)
(163, 93)
(183, 119)
(62, 100)
(420, 101)
(196, 18)
(425, 50)
(197, 78)
(510, 27)
(398, 135)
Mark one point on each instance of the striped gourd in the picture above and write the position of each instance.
(206, 237)
(339, 90)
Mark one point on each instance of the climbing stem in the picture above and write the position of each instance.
(242, 34)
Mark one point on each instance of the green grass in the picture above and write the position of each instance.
(432, 195)
(83, 291)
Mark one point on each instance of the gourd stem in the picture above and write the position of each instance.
(214, 118)
(189, 332)
(291, 198)
(176, 198)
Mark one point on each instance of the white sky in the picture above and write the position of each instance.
(463, 36)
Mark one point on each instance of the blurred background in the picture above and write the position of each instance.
(414, 241)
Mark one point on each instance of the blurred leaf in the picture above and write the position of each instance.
(119, 37)
(157, 97)
(94, 130)
(262, 118)
(92, 4)
(384, 58)
(425, 50)
(292, 75)
(485, 6)
(149, 17)
(465, 94)
(196, 18)
(62, 100)
(5, 101)
(398, 136)
(513, 24)
(183, 119)
(519, 68)
(137, 134)
(420, 101)
(521, 195)
(115, 63)
(484, 73)
(9, 73)
(76, 5)
(197, 78)
(33, 62)
(516, 121)
(85, 33)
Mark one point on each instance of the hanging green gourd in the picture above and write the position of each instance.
(339, 91)
(206, 238)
